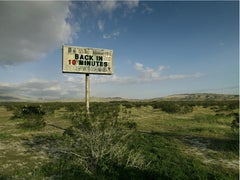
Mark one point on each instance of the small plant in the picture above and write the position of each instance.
(33, 117)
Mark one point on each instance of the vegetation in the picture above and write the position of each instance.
(120, 139)
(32, 116)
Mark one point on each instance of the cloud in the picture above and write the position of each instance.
(108, 6)
(131, 4)
(103, 15)
(30, 30)
(147, 9)
(73, 85)
(44, 89)
(146, 75)
(111, 35)
(147, 72)
(100, 25)
(111, 5)
(183, 76)
(138, 66)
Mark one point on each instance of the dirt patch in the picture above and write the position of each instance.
(199, 148)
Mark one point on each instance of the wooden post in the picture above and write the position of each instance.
(87, 92)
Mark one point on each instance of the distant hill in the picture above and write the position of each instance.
(176, 97)
(8, 98)
(15, 98)
(199, 97)
(98, 99)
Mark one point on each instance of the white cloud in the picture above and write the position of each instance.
(73, 85)
(147, 72)
(146, 9)
(138, 66)
(131, 4)
(100, 25)
(160, 68)
(146, 75)
(30, 30)
(43, 89)
(100, 15)
(108, 6)
(111, 35)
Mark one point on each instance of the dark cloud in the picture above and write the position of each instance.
(30, 30)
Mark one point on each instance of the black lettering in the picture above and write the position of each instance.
(76, 56)
(88, 63)
(105, 64)
(93, 63)
(81, 57)
(101, 63)
(80, 62)
(91, 58)
(99, 58)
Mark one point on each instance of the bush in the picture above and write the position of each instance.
(173, 107)
(235, 122)
(170, 107)
(235, 130)
(32, 116)
(99, 143)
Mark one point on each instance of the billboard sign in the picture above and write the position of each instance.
(86, 60)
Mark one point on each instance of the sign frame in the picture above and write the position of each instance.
(86, 60)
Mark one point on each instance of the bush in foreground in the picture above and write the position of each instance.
(99, 146)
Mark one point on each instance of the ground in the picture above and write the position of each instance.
(199, 134)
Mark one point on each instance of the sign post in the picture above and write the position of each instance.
(87, 94)
(84, 60)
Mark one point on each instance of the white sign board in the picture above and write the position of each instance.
(87, 60)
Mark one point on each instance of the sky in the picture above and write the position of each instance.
(160, 48)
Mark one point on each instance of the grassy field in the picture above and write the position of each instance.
(198, 144)
(200, 133)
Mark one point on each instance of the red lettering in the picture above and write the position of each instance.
(74, 62)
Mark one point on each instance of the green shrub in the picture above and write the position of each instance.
(99, 143)
(32, 116)
(173, 107)
(235, 122)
